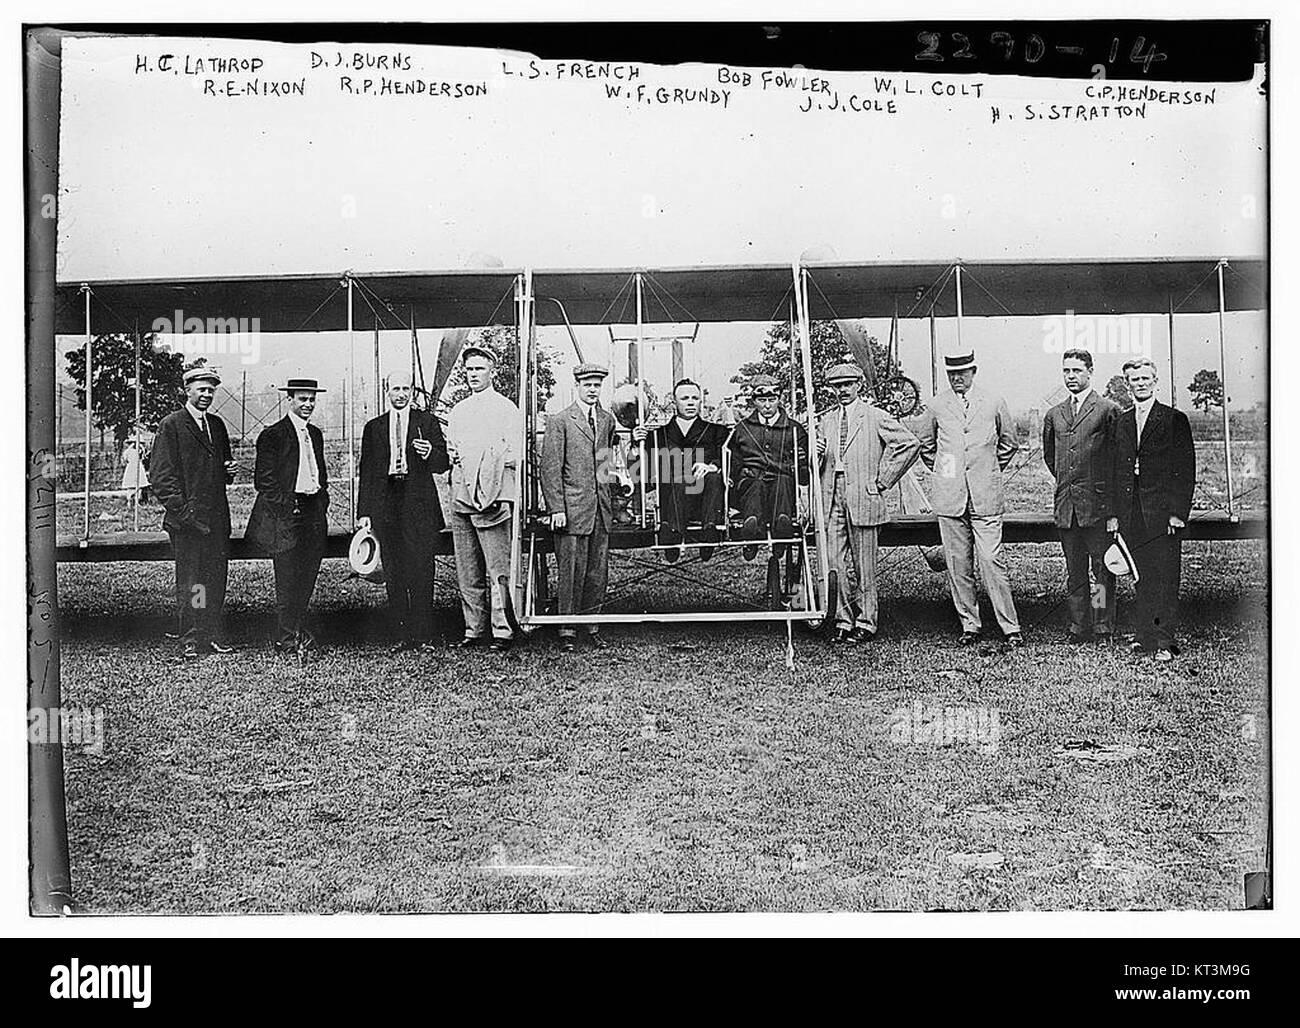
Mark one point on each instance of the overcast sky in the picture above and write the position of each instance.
(551, 172)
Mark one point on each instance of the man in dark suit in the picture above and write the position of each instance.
(288, 518)
(401, 451)
(1155, 475)
(576, 475)
(1079, 450)
(769, 453)
(686, 459)
(189, 471)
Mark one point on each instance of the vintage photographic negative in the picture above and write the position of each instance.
(700, 468)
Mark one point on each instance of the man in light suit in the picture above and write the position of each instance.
(401, 451)
(864, 452)
(288, 519)
(967, 440)
(483, 439)
(1079, 451)
(577, 457)
(1155, 476)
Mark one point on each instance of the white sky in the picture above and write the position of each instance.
(159, 180)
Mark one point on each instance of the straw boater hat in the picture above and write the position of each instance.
(302, 385)
(202, 374)
(363, 555)
(959, 361)
(1118, 559)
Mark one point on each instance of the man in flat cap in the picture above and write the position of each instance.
(577, 453)
(189, 471)
(288, 519)
(686, 459)
(864, 451)
(483, 436)
(967, 440)
(397, 499)
(769, 453)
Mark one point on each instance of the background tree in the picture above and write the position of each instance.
(501, 340)
(113, 386)
(1206, 390)
(828, 348)
(1117, 389)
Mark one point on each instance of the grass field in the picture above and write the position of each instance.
(682, 769)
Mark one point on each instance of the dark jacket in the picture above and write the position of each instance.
(670, 455)
(419, 496)
(1168, 462)
(758, 451)
(1080, 454)
(272, 525)
(188, 475)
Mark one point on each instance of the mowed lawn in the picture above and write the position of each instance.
(685, 768)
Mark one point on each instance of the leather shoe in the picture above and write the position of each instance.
(846, 635)
(500, 645)
(782, 528)
(401, 647)
(1015, 640)
(190, 651)
(749, 551)
(597, 643)
(706, 553)
(567, 644)
(750, 530)
(968, 638)
(469, 642)
(670, 555)
(863, 635)
(216, 646)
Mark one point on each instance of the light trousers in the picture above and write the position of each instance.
(482, 558)
(965, 539)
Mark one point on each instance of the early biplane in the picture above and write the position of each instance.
(801, 293)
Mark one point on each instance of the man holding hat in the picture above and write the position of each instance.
(864, 451)
(397, 499)
(769, 452)
(577, 452)
(483, 432)
(967, 440)
(288, 518)
(1079, 450)
(189, 471)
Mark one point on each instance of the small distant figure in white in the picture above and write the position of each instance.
(135, 466)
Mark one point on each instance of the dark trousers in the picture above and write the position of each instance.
(764, 498)
(406, 547)
(682, 503)
(296, 570)
(1084, 545)
(583, 565)
(1159, 559)
(201, 564)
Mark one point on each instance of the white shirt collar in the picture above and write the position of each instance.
(684, 424)
(195, 413)
(1145, 405)
(298, 422)
(1081, 397)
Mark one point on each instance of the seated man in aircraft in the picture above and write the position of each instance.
(686, 458)
(768, 451)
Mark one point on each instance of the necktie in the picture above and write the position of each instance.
(844, 430)
(401, 443)
(965, 400)
(591, 419)
(1078, 404)
(206, 433)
